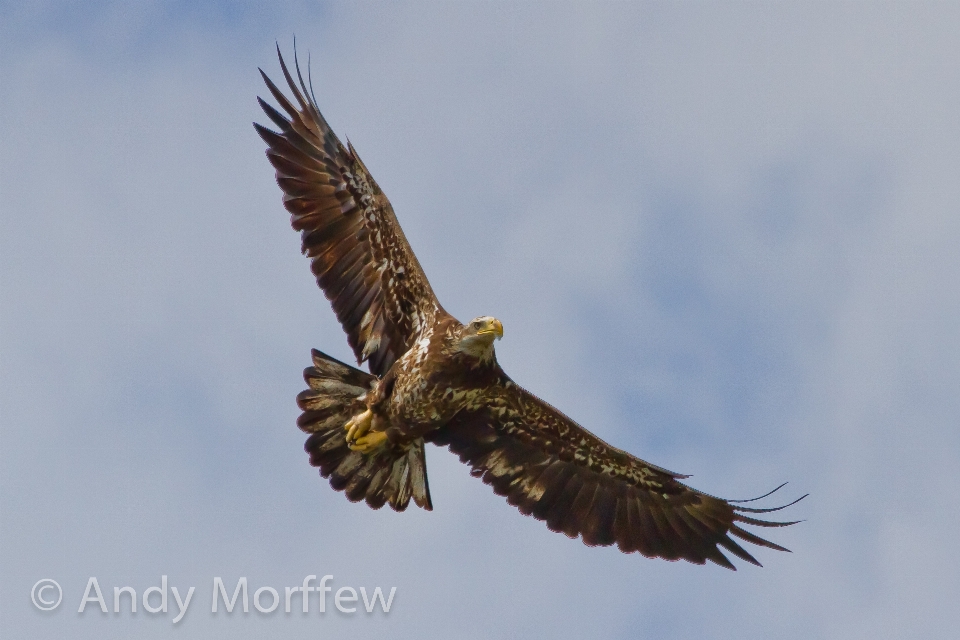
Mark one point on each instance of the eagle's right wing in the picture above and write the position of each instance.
(553, 469)
(359, 254)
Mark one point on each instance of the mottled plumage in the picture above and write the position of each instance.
(434, 379)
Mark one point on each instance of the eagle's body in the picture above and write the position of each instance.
(434, 379)
(431, 383)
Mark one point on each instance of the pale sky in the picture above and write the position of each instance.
(723, 236)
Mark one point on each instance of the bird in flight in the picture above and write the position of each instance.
(434, 379)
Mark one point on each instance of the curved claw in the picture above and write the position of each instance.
(358, 425)
(368, 443)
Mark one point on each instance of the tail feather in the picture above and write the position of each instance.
(390, 476)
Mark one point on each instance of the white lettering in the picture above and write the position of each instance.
(116, 598)
(377, 595)
(92, 582)
(340, 597)
(162, 590)
(218, 584)
(306, 592)
(182, 606)
(323, 589)
(289, 591)
(272, 592)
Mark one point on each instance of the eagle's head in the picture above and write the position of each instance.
(477, 336)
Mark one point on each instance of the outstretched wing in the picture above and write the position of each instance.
(549, 467)
(358, 252)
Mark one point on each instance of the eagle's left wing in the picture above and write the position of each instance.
(550, 467)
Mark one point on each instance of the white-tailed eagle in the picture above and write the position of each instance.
(434, 379)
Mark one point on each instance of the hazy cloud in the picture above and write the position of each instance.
(721, 235)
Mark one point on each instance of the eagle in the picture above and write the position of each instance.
(434, 379)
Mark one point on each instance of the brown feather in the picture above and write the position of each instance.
(551, 468)
(560, 508)
(309, 159)
(389, 475)
(598, 529)
(543, 462)
(552, 481)
(621, 524)
(576, 518)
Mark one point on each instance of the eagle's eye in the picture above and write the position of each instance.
(476, 324)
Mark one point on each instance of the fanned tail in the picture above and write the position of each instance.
(389, 476)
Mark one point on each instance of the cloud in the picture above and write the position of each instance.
(721, 236)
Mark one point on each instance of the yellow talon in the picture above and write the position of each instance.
(368, 443)
(358, 425)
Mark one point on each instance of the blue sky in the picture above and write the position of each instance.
(722, 236)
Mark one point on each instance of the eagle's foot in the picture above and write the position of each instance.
(368, 443)
(358, 425)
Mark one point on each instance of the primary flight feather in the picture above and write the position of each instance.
(434, 379)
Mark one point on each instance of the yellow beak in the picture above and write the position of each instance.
(494, 326)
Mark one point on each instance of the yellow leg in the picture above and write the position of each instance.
(360, 437)
(372, 441)
(358, 425)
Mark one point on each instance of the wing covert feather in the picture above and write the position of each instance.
(550, 467)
